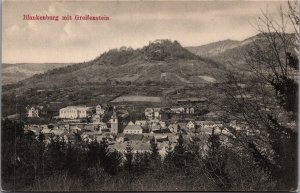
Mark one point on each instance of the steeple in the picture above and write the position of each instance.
(114, 121)
(114, 113)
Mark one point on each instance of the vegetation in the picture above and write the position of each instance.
(273, 144)
(30, 164)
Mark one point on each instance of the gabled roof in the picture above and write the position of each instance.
(162, 131)
(82, 108)
(190, 122)
(133, 127)
(130, 123)
(133, 137)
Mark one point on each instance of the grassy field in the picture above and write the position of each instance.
(132, 98)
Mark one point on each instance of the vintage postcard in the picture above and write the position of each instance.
(149, 95)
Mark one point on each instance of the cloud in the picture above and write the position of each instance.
(132, 24)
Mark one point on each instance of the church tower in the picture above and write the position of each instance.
(114, 123)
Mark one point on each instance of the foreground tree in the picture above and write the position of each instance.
(268, 105)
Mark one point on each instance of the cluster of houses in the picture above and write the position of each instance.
(79, 112)
(120, 133)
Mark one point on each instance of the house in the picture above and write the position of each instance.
(190, 125)
(142, 123)
(35, 111)
(239, 125)
(177, 110)
(76, 128)
(137, 147)
(68, 137)
(120, 138)
(162, 124)
(89, 128)
(153, 113)
(73, 112)
(96, 118)
(173, 128)
(164, 147)
(189, 110)
(131, 128)
(99, 110)
(157, 113)
(120, 147)
(107, 137)
(192, 110)
(209, 124)
(149, 113)
(154, 127)
(46, 130)
(88, 136)
(34, 128)
(102, 127)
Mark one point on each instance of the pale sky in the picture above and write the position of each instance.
(132, 24)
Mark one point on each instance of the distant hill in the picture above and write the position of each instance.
(160, 61)
(158, 50)
(230, 54)
(213, 49)
(13, 73)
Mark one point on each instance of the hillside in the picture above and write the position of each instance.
(213, 49)
(154, 62)
(230, 54)
(13, 73)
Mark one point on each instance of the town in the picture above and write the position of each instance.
(115, 125)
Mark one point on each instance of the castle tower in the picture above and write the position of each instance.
(114, 123)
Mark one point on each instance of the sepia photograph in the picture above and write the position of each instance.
(149, 95)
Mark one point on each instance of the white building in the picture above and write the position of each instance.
(73, 112)
(131, 128)
(33, 112)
